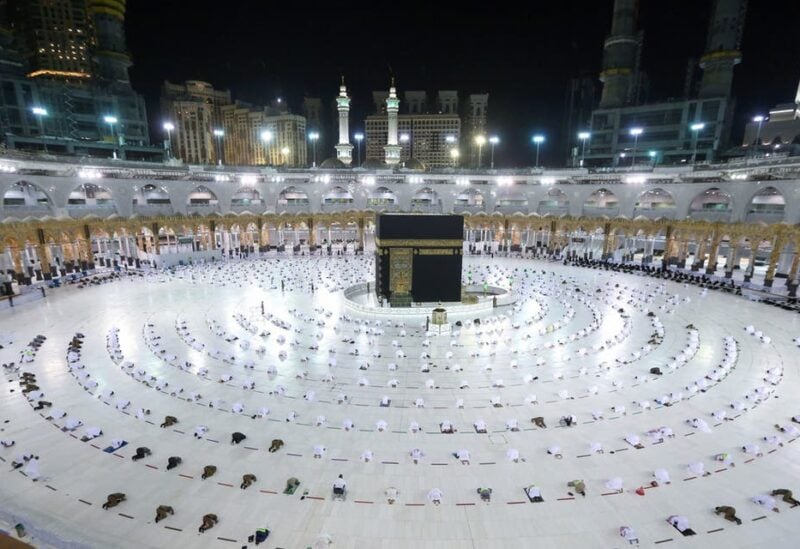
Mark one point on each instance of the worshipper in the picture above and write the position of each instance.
(20, 460)
(262, 412)
(247, 480)
(634, 441)
(534, 493)
(319, 451)
(381, 425)
(237, 408)
(208, 471)
(163, 511)
(768, 502)
(169, 421)
(200, 431)
(512, 454)
(237, 437)
(615, 484)
(555, 451)
(627, 533)
(725, 458)
(435, 496)
(392, 494)
(141, 452)
(579, 486)
(790, 430)
(113, 500)
(786, 496)
(480, 426)
(339, 487)
(291, 486)
(416, 455)
(681, 524)
(414, 427)
(173, 462)
(276, 445)
(446, 427)
(320, 421)
(539, 422)
(753, 449)
(661, 476)
(91, 433)
(385, 401)
(31, 469)
(568, 421)
(367, 456)
(209, 521)
(485, 494)
(728, 513)
(697, 468)
(463, 456)
(348, 425)
(7, 442)
(512, 425)
(71, 424)
(291, 416)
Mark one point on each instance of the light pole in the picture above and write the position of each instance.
(760, 120)
(635, 132)
(168, 127)
(405, 139)
(454, 154)
(266, 138)
(285, 152)
(39, 113)
(111, 120)
(314, 136)
(493, 140)
(219, 134)
(583, 136)
(696, 128)
(653, 157)
(538, 139)
(480, 141)
(359, 137)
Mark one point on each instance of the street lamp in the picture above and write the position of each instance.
(285, 152)
(696, 128)
(39, 113)
(219, 134)
(635, 132)
(493, 140)
(359, 137)
(538, 139)
(653, 157)
(760, 120)
(314, 136)
(480, 141)
(454, 154)
(583, 136)
(168, 127)
(266, 138)
(111, 120)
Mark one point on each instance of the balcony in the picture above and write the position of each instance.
(22, 211)
(711, 215)
(655, 213)
(332, 207)
(468, 209)
(150, 210)
(597, 211)
(202, 209)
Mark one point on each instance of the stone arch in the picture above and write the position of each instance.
(91, 199)
(601, 202)
(23, 198)
(655, 203)
(201, 199)
(337, 198)
(152, 200)
(425, 200)
(767, 205)
(246, 198)
(292, 199)
(712, 204)
(555, 202)
(382, 198)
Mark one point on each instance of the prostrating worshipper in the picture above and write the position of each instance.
(681, 524)
(113, 500)
(728, 513)
(209, 521)
(435, 496)
(534, 493)
(237, 437)
(787, 496)
(247, 481)
(169, 421)
(276, 445)
(141, 452)
(208, 471)
(173, 462)
(768, 502)
(628, 534)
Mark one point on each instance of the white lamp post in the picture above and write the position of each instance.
(111, 120)
(480, 141)
(696, 129)
(314, 136)
(493, 140)
(359, 137)
(39, 113)
(760, 120)
(538, 139)
(168, 127)
(583, 136)
(266, 138)
(635, 132)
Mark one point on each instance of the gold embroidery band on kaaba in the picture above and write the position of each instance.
(419, 242)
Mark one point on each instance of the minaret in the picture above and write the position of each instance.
(344, 150)
(392, 149)
(722, 48)
(619, 56)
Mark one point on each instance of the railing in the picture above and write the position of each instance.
(202, 209)
(511, 208)
(337, 207)
(466, 208)
(485, 305)
(654, 213)
(294, 208)
(711, 215)
(153, 209)
(597, 211)
(764, 217)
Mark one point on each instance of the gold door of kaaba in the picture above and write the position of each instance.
(400, 270)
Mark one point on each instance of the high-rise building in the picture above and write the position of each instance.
(674, 130)
(69, 58)
(195, 109)
(476, 122)
(243, 141)
(579, 102)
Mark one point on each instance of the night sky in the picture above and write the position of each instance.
(522, 56)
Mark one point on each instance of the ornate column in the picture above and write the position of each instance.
(700, 255)
(754, 243)
(777, 247)
(791, 279)
(733, 256)
(712, 257)
(312, 234)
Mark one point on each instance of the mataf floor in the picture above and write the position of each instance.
(578, 343)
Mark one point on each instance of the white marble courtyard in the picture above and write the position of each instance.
(578, 343)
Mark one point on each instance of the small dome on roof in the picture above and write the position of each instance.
(413, 164)
(332, 164)
(373, 164)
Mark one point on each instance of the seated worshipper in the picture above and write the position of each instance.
(173, 462)
(480, 426)
(446, 427)
(291, 486)
(348, 425)
(634, 441)
(237, 408)
(320, 421)
(392, 494)
(767, 502)
(19, 461)
(568, 421)
(247, 480)
(91, 433)
(579, 486)
(681, 524)
(237, 437)
(319, 451)
(512, 454)
(753, 449)
(414, 427)
(275, 445)
(435, 496)
(615, 484)
(416, 455)
(291, 416)
(169, 421)
(534, 493)
(463, 456)
(200, 431)
(786, 496)
(725, 458)
(141, 452)
(385, 401)
(512, 425)
(71, 424)
(113, 500)
(627, 533)
(539, 422)
(555, 451)
(163, 511)
(661, 476)
(697, 468)
(728, 513)
(209, 521)
(31, 469)
(262, 412)
(339, 487)
(381, 425)
(486, 494)
(208, 471)
(367, 456)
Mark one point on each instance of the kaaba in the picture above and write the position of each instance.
(418, 257)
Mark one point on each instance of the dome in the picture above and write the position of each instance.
(332, 164)
(413, 164)
(373, 164)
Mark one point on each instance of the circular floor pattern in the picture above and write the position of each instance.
(370, 396)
